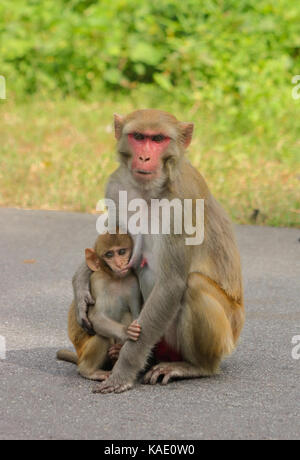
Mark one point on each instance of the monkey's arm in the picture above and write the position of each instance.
(107, 327)
(136, 302)
(82, 296)
(137, 252)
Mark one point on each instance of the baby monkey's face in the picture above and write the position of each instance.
(117, 259)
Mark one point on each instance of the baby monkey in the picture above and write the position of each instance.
(118, 302)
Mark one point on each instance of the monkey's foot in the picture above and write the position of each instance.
(173, 370)
(113, 385)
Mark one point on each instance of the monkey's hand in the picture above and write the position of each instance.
(134, 331)
(122, 377)
(116, 383)
(114, 351)
(82, 307)
(82, 296)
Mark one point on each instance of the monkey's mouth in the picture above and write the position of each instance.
(141, 174)
(141, 171)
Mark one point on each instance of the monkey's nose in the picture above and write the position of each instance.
(144, 159)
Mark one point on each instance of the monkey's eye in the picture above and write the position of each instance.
(109, 254)
(138, 136)
(158, 138)
(122, 251)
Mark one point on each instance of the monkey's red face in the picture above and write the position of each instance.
(148, 148)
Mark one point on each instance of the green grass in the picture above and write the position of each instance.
(58, 154)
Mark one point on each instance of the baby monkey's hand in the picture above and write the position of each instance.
(134, 331)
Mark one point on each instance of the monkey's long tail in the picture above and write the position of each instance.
(66, 355)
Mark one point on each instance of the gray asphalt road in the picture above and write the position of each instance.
(255, 396)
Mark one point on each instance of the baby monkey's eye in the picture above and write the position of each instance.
(122, 251)
(158, 138)
(138, 136)
(109, 254)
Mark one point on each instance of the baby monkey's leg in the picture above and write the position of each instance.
(93, 359)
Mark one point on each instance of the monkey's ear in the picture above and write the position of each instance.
(119, 122)
(187, 133)
(92, 260)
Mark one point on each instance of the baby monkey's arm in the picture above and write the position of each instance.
(134, 330)
(107, 327)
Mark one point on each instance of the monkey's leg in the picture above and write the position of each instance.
(90, 350)
(93, 358)
(207, 330)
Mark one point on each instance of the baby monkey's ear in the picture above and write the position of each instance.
(92, 260)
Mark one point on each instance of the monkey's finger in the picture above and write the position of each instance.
(116, 346)
(114, 389)
(155, 376)
(134, 326)
(169, 376)
(107, 390)
(134, 329)
(89, 299)
(133, 337)
(86, 325)
(134, 333)
(114, 356)
(135, 323)
(104, 388)
(148, 375)
(115, 349)
(122, 388)
(97, 389)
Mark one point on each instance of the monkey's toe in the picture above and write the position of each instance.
(124, 387)
(110, 386)
(165, 370)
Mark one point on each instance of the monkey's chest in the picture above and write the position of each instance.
(116, 308)
(146, 272)
(146, 280)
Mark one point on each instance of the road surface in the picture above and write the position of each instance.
(255, 396)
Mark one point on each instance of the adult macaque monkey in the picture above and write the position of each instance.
(193, 294)
(117, 298)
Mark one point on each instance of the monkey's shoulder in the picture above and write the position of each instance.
(190, 183)
(118, 181)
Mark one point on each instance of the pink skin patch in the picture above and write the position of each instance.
(147, 152)
(144, 262)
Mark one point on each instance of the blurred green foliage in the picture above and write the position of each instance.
(227, 65)
(231, 53)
